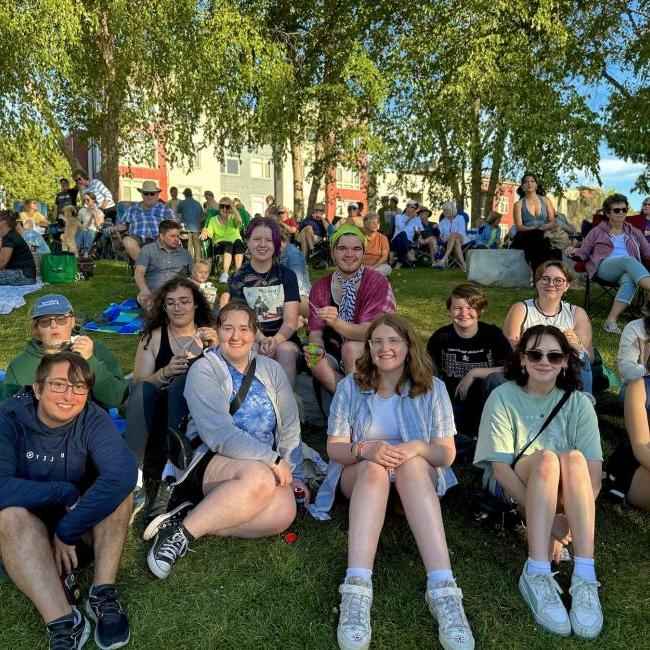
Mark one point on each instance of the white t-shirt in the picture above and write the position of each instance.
(410, 227)
(457, 224)
(384, 419)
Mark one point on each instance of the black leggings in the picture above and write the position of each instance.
(537, 248)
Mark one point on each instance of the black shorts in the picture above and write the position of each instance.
(234, 248)
(142, 241)
(621, 467)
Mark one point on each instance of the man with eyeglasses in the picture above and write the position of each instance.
(142, 220)
(313, 229)
(66, 478)
(161, 260)
(52, 329)
(341, 307)
(104, 196)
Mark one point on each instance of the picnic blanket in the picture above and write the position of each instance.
(13, 297)
(125, 318)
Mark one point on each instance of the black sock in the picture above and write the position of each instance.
(188, 535)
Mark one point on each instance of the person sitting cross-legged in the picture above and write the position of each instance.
(342, 306)
(66, 478)
(248, 458)
(391, 429)
(552, 473)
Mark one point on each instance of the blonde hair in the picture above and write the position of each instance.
(202, 263)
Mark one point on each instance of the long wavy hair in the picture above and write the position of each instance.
(418, 369)
(157, 315)
(568, 380)
(540, 191)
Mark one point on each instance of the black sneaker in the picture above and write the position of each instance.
(170, 544)
(161, 500)
(69, 635)
(177, 514)
(112, 625)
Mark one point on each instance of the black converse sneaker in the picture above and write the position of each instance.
(69, 635)
(170, 544)
(112, 625)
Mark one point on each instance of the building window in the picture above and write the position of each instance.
(502, 207)
(260, 167)
(230, 166)
(197, 159)
(347, 179)
(258, 205)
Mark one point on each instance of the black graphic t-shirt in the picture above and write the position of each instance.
(265, 293)
(455, 356)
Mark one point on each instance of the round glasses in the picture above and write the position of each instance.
(556, 282)
(184, 303)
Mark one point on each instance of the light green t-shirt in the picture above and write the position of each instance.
(511, 417)
(228, 232)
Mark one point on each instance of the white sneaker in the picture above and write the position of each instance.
(586, 615)
(445, 602)
(223, 278)
(354, 630)
(542, 595)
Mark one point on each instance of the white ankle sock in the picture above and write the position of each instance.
(440, 575)
(140, 482)
(366, 574)
(535, 568)
(584, 567)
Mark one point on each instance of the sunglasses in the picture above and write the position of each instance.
(554, 358)
(224, 206)
(149, 193)
(282, 213)
(618, 210)
(646, 205)
(48, 320)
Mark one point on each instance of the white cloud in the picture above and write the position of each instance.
(619, 169)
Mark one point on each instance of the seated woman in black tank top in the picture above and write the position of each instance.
(178, 327)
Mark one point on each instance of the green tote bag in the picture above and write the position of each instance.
(59, 269)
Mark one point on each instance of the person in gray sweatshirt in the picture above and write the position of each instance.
(248, 458)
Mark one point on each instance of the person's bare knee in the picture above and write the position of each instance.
(573, 464)
(415, 469)
(258, 483)
(372, 473)
(546, 465)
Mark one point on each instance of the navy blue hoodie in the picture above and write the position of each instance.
(41, 467)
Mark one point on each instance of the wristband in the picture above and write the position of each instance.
(161, 377)
(277, 460)
(353, 450)
(359, 450)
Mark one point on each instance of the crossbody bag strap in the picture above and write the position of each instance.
(551, 415)
(243, 389)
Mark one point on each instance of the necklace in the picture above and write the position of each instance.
(539, 309)
(187, 347)
(265, 278)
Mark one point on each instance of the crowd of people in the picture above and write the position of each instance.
(211, 411)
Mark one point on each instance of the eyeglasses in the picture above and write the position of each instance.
(554, 358)
(646, 205)
(224, 206)
(618, 210)
(149, 193)
(63, 387)
(48, 320)
(282, 213)
(391, 342)
(184, 303)
(556, 282)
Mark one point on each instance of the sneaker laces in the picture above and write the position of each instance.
(175, 546)
(106, 604)
(584, 595)
(60, 636)
(547, 588)
(355, 610)
(450, 608)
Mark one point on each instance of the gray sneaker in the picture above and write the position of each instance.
(542, 595)
(586, 614)
(445, 602)
(354, 630)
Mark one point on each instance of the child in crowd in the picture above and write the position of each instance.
(201, 275)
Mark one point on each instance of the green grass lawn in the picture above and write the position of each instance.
(267, 593)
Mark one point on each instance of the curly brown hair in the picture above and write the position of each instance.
(157, 316)
(418, 369)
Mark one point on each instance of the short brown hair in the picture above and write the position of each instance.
(418, 369)
(79, 370)
(168, 224)
(237, 305)
(566, 271)
(470, 292)
(9, 217)
(614, 198)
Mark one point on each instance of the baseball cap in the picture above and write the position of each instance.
(51, 304)
(412, 202)
(353, 204)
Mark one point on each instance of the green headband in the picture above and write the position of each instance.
(348, 230)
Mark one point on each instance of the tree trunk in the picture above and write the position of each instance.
(451, 169)
(495, 172)
(476, 162)
(316, 178)
(298, 176)
(372, 191)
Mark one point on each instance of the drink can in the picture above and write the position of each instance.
(313, 355)
(300, 496)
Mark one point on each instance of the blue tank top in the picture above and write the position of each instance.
(530, 220)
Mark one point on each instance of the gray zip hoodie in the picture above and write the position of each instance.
(209, 391)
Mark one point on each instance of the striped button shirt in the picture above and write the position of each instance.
(425, 417)
(101, 192)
